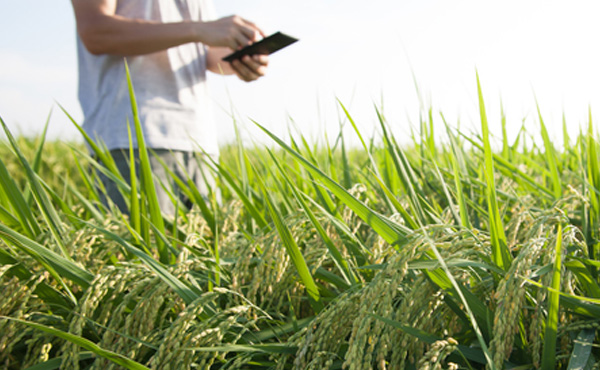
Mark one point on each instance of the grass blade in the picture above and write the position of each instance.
(410, 221)
(37, 161)
(86, 178)
(17, 201)
(456, 160)
(247, 348)
(500, 253)
(584, 277)
(592, 212)
(41, 197)
(549, 354)
(134, 199)
(294, 252)
(45, 256)
(404, 171)
(466, 304)
(581, 357)
(55, 363)
(255, 213)
(147, 181)
(470, 353)
(84, 343)
(514, 172)
(97, 150)
(550, 158)
(188, 294)
(341, 264)
(390, 199)
(322, 195)
(391, 232)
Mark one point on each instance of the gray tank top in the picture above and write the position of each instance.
(170, 86)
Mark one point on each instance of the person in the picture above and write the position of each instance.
(169, 46)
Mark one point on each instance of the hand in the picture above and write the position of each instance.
(233, 32)
(250, 68)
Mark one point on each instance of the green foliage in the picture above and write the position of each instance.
(442, 253)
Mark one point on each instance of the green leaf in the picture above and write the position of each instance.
(84, 343)
(514, 172)
(405, 172)
(581, 357)
(37, 160)
(549, 352)
(44, 291)
(294, 252)
(580, 305)
(103, 155)
(481, 313)
(584, 277)
(147, 181)
(550, 158)
(454, 262)
(188, 294)
(18, 201)
(63, 266)
(322, 195)
(57, 361)
(500, 253)
(7, 218)
(385, 186)
(134, 202)
(410, 221)
(86, 178)
(473, 354)
(391, 232)
(277, 331)
(458, 181)
(41, 197)
(256, 215)
(339, 260)
(247, 348)
(467, 305)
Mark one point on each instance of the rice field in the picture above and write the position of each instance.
(470, 252)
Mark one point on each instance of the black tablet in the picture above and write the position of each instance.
(265, 46)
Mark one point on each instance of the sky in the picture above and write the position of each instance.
(403, 57)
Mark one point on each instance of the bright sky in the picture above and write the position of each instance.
(364, 55)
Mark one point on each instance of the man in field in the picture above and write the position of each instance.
(169, 45)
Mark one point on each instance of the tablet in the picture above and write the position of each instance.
(265, 46)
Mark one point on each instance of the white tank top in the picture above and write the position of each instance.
(170, 86)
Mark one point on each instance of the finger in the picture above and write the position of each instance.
(256, 64)
(261, 59)
(250, 34)
(257, 69)
(241, 40)
(251, 30)
(256, 29)
(243, 71)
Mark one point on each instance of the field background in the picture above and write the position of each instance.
(471, 252)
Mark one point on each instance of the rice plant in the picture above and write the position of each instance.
(441, 254)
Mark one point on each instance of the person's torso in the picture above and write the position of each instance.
(169, 85)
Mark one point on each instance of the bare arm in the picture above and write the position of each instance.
(104, 32)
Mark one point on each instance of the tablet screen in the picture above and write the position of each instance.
(265, 46)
